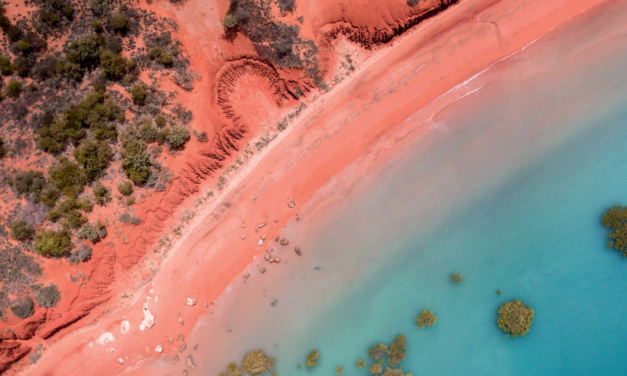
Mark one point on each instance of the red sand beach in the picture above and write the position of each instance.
(335, 130)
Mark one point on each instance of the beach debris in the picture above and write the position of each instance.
(291, 203)
(266, 256)
(105, 338)
(191, 301)
(120, 360)
(149, 319)
(242, 237)
(125, 326)
(274, 302)
(298, 251)
(262, 270)
(90, 345)
(181, 321)
(284, 242)
(189, 361)
(159, 349)
(260, 242)
(110, 350)
(261, 225)
(182, 347)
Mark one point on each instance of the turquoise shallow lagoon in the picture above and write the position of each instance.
(507, 187)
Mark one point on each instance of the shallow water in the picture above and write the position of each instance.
(507, 187)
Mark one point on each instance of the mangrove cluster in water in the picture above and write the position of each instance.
(615, 219)
(426, 318)
(255, 363)
(515, 318)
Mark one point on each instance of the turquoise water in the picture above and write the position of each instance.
(507, 188)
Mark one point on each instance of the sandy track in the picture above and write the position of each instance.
(334, 132)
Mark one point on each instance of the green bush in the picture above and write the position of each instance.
(101, 195)
(3, 151)
(49, 17)
(88, 232)
(24, 308)
(256, 362)
(70, 69)
(21, 230)
(115, 66)
(23, 46)
(52, 243)
(49, 194)
(515, 318)
(165, 58)
(149, 133)
(6, 68)
(13, 89)
(68, 177)
(137, 167)
(85, 51)
(312, 358)
(230, 21)
(615, 219)
(119, 22)
(70, 210)
(178, 137)
(160, 120)
(126, 188)
(27, 183)
(139, 93)
(48, 296)
(68, 12)
(94, 156)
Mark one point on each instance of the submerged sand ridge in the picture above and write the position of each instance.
(337, 129)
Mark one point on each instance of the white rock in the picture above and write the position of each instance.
(111, 350)
(156, 299)
(159, 349)
(120, 360)
(260, 242)
(125, 326)
(191, 301)
(105, 338)
(90, 344)
(151, 291)
(149, 319)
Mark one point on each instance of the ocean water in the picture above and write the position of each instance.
(507, 187)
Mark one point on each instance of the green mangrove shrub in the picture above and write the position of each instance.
(515, 318)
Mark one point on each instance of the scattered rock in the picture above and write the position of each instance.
(110, 350)
(276, 239)
(284, 242)
(189, 361)
(181, 321)
(195, 347)
(182, 347)
(246, 275)
(261, 225)
(266, 256)
(180, 337)
(260, 242)
(206, 304)
(264, 236)
(156, 299)
(159, 349)
(291, 203)
(191, 301)
(262, 270)
(277, 260)
(243, 225)
(169, 340)
(242, 237)
(120, 360)
(274, 302)
(298, 251)
(105, 338)
(125, 326)
(149, 319)
(176, 357)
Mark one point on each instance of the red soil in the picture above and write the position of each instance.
(239, 98)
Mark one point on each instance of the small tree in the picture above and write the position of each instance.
(515, 318)
(139, 93)
(119, 22)
(3, 151)
(24, 308)
(21, 230)
(615, 219)
(426, 318)
(52, 243)
(101, 195)
(88, 232)
(126, 188)
(13, 89)
(230, 21)
(178, 137)
(256, 362)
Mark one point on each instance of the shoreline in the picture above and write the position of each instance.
(267, 201)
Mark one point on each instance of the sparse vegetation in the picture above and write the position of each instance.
(126, 188)
(101, 195)
(426, 318)
(515, 318)
(48, 296)
(178, 137)
(312, 359)
(339, 370)
(52, 243)
(139, 93)
(24, 308)
(14, 89)
(456, 278)
(21, 230)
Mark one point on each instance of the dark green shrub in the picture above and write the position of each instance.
(85, 51)
(178, 137)
(52, 243)
(127, 217)
(68, 12)
(23, 46)
(515, 318)
(68, 177)
(165, 58)
(160, 120)
(115, 66)
(101, 195)
(14, 33)
(113, 43)
(426, 318)
(49, 194)
(94, 156)
(286, 5)
(13, 89)
(70, 211)
(154, 52)
(27, 183)
(35, 42)
(21, 230)
(100, 7)
(22, 66)
(97, 26)
(137, 167)
(49, 17)
(70, 69)
(230, 21)
(149, 133)
(45, 68)
(6, 68)
(126, 188)
(24, 308)
(48, 296)
(82, 255)
(119, 22)
(139, 93)
(3, 151)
